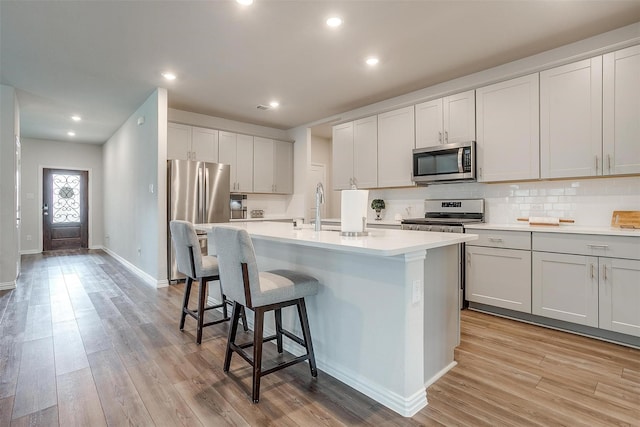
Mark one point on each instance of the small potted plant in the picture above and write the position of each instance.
(377, 205)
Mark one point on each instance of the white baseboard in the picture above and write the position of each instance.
(30, 252)
(405, 406)
(6, 286)
(440, 374)
(148, 279)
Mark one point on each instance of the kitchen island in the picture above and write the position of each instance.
(386, 319)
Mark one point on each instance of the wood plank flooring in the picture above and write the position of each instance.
(84, 342)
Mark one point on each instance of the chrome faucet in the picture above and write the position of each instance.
(319, 201)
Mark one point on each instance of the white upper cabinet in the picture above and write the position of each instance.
(621, 111)
(263, 165)
(459, 117)
(178, 141)
(272, 166)
(191, 143)
(355, 154)
(571, 120)
(283, 167)
(429, 124)
(396, 140)
(204, 144)
(508, 130)
(365, 152)
(446, 120)
(244, 171)
(342, 156)
(237, 151)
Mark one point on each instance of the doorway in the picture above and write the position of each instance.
(65, 212)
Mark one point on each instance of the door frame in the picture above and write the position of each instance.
(90, 195)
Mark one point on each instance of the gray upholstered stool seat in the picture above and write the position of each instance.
(284, 285)
(198, 267)
(209, 266)
(261, 292)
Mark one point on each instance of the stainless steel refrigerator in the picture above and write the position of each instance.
(197, 192)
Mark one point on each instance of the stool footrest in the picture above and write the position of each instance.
(283, 365)
(215, 322)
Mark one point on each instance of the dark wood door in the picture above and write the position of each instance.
(65, 213)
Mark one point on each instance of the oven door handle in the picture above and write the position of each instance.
(460, 151)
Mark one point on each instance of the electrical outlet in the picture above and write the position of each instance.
(28, 236)
(139, 251)
(417, 291)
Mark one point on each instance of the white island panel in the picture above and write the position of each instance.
(385, 320)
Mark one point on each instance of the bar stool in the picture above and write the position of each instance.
(198, 267)
(261, 292)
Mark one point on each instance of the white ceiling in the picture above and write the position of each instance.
(102, 59)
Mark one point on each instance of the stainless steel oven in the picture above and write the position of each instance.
(449, 216)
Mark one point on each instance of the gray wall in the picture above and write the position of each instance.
(134, 165)
(9, 232)
(38, 154)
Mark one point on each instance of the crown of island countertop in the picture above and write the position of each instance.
(380, 242)
(569, 228)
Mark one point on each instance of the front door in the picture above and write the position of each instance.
(65, 210)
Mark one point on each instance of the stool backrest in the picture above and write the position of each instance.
(185, 242)
(239, 273)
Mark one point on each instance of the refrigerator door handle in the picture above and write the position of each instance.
(205, 194)
(200, 194)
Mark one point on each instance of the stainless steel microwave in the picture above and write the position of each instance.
(445, 163)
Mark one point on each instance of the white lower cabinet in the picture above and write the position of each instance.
(592, 280)
(499, 277)
(498, 270)
(620, 295)
(565, 287)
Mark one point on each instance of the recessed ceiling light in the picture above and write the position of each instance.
(169, 75)
(334, 21)
(372, 61)
(245, 2)
(76, 118)
(71, 133)
(274, 104)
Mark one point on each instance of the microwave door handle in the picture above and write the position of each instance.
(460, 168)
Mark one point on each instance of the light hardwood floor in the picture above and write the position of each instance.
(84, 342)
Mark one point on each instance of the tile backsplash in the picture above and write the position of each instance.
(587, 201)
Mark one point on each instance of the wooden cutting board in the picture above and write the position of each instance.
(625, 219)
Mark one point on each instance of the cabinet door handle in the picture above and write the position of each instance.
(604, 272)
(592, 271)
(609, 162)
(446, 137)
(495, 239)
(480, 172)
(596, 165)
(594, 246)
(440, 137)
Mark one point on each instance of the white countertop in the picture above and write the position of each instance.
(370, 222)
(563, 228)
(266, 218)
(380, 242)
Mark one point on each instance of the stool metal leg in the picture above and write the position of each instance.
(258, 324)
(278, 316)
(231, 339)
(185, 301)
(202, 295)
(243, 314)
(306, 333)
